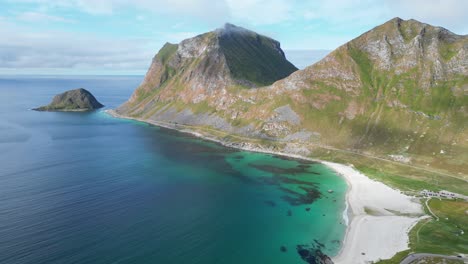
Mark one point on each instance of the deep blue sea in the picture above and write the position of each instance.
(90, 188)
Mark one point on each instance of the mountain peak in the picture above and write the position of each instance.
(412, 27)
(229, 29)
(229, 26)
(395, 19)
(230, 56)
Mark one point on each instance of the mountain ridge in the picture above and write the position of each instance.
(397, 92)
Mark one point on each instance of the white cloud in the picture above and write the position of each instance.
(448, 13)
(304, 58)
(344, 11)
(176, 37)
(316, 25)
(41, 17)
(97, 7)
(351, 13)
(451, 14)
(53, 49)
(260, 11)
(211, 11)
(207, 10)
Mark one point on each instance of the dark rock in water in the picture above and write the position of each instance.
(270, 203)
(307, 209)
(283, 249)
(73, 100)
(289, 213)
(278, 170)
(318, 244)
(307, 196)
(313, 255)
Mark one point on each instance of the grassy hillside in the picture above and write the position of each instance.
(392, 101)
(253, 57)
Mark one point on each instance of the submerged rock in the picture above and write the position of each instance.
(72, 100)
(313, 255)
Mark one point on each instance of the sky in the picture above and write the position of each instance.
(122, 36)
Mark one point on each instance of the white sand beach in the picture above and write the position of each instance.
(382, 231)
(379, 217)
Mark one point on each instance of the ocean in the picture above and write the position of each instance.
(90, 188)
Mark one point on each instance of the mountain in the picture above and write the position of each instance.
(208, 64)
(397, 92)
(72, 100)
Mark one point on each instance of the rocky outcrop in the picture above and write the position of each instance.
(73, 100)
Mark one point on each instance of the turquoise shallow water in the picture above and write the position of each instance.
(89, 188)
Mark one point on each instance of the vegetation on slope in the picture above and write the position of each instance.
(381, 96)
(439, 234)
(253, 57)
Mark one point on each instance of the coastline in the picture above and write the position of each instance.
(380, 218)
(377, 216)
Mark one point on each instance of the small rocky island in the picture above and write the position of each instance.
(73, 100)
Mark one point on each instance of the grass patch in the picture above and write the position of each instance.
(443, 236)
(403, 177)
(363, 63)
(166, 52)
(396, 259)
(439, 237)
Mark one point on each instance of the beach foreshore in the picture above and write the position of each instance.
(379, 217)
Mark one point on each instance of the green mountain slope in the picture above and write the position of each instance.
(397, 93)
(253, 57)
(206, 64)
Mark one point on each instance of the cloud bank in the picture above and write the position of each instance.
(65, 41)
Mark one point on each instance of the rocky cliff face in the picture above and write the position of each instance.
(398, 91)
(72, 100)
(207, 65)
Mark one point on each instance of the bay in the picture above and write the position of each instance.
(90, 188)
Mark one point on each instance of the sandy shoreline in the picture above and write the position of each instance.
(379, 217)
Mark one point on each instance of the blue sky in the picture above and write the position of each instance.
(121, 36)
